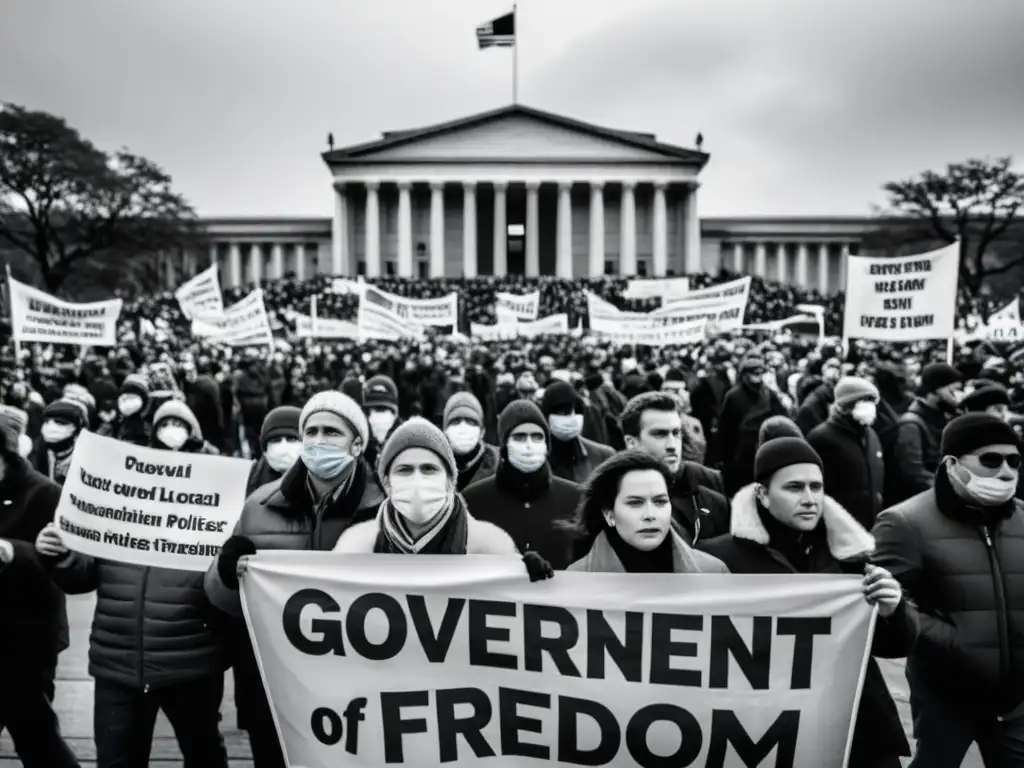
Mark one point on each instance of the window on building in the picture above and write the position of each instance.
(422, 269)
(361, 268)
(389, 268)
(641, 267)
(609, 267)
(517, 230)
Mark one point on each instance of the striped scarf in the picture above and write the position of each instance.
(446, 535)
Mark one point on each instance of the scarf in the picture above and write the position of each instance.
(518, 484)
(658, 560)
(795, 546)
(447, 533)
(468, 465)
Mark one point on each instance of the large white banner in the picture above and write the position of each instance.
(441, 312)
(40, 317)
(525, 307)
(377, 320)
(902, 299)
(723, 305)
(201, 294)
(665, 288)
(149, 507)
(655, 329)
(242, 324)
(552, 324)
(381, 660)
(307, 327)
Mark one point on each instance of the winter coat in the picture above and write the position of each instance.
(482, 465)
(577, 459)
(854, 465)
(706, 400)
(132, 429)
(282, 515)
(602, 558)
(529, 508)
(482, 539)
(968, 580)
(840, 548)
(698, 511)
(33, 622)
(260, 474)
(202, 396)
(743, 412)
(815, 408)
(917, 455)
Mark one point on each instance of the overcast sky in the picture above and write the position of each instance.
(807, 106)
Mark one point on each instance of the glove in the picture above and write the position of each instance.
(537, 566)
(227, 564)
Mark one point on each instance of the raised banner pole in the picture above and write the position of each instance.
(515, 56)
(949, 351)
(10, 312)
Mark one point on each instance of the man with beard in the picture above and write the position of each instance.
(916, 456)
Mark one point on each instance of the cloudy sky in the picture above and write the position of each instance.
(806, 106)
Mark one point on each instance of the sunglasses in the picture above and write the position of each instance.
(993, 460)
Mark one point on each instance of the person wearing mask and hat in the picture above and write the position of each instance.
(33, 623)
(380, 404)
(746, 405)
(850, 450)
(175, 428)
(916, 453)
(63, 422)
(524, 498)
(463, 426)
(80, 394)
(624, 521)
(281, 446)
(572, 457)
(958, 550)
(308, 508)
(526, 386)
(783, 523)
(132, 425)
(990, 398)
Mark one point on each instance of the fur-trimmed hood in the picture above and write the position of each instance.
(846, 538)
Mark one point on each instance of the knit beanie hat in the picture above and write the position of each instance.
(984, 396)
(851, 389)
(594, 381)
(463, 405)
(176, 409)
(13, 423)
(417, 432)
(752, 362)
(381, 392)
(283, 421)
(136, 385)
(81, 394)
(557, 395)
(973, 431)
(775, 427)
(341, 405)
(783, 452)
(935, 376)
(353, 387)
(520, 412)
(71, 411)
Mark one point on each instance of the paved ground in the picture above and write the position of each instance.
(74, 704)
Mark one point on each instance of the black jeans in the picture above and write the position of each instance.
(26, 711)
(124, 718)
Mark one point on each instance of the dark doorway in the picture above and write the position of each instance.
(515, 241)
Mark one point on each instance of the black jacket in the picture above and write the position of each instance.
(916, 455)
(699, 511)
(743, 412)
(576, 460)
(854, 465)
(814, 410)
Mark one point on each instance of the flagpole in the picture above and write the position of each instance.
(515, 56)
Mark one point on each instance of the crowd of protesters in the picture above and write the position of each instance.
(746, 453)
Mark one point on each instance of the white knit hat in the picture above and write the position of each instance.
(340, 404)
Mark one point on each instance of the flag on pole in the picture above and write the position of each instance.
(500, 33)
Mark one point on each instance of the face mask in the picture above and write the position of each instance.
(107, 416)
(865, 413)
(281, 456)
(463, 437)
(173, 436)
(52, 432)
(325, 461)
(528, 457)
(129, 405)
(417, 498)
(380, 424)
(566, 428)
(24, 446)
(987, 491)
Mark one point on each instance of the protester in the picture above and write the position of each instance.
(63, 421)
(175, 428)
(380, 404)
(958, 550)
(572, 456)
(463, 426)
(990, 398)
(132, 424)
(280, 445)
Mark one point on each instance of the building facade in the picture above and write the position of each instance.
(522, 191)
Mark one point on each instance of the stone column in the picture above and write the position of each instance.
(235, 265)
(844, 262)
(277, 262)
(214, 256)
(801, 266)
(469, 229)
(500, 229)
(339, 232)
(738, 264)
(780, 256)
(532, 235)
(300, 261)
(627, 230)
(660, 233)
(596, 229)
(823, 268)
(694, 262)
(760, 260)
(563, 255)
(372, 229)
(255, 264)
(404, 229)
(437, 229)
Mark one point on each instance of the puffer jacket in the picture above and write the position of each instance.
(854, 465)
(916, 454)
(967, 577)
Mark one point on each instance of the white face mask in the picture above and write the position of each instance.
(566, 428)
(173, 436)
(129, 404)
(281, 455)
(24, 446)
(381, 423)
(52, 432)
(527, 457)
(865, 412)
(419, 498)
(463, 437)
(989, 491)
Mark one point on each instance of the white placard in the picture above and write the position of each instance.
(242, 324)
(40, 317)
(201, 294)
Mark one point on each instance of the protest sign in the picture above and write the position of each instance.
(378, 319)
(375, 660)
(242, 324)
(723, 306)
(345, 286)
(441, 312)
(308, 327)
(201, 294)
(671, 332)
(511, 329)
(1004, 325)
(657, 288)
(40, 317)
(149, 507)
(908, 298)
(523, 307)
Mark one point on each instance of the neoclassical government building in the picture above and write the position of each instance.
(518, 190)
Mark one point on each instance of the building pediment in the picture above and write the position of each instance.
(515, 134)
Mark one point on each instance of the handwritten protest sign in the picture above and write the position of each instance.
(242, 324)
(40, 317)
(147, 506)
(523, 307)
(201, 294)
(902, 299)
(376, 660)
